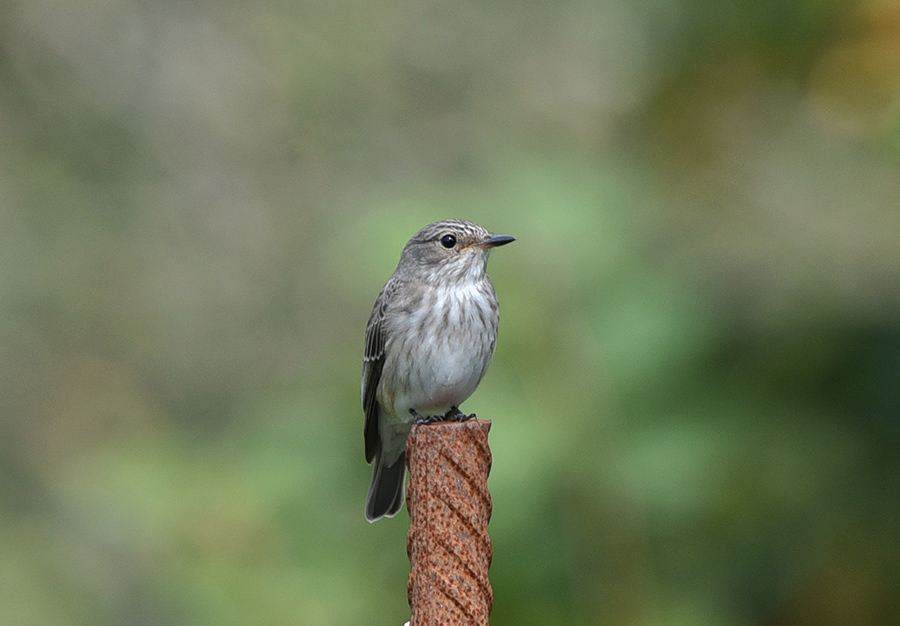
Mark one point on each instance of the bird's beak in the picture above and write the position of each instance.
(497, 240)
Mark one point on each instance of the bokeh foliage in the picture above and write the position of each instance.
(696, 395)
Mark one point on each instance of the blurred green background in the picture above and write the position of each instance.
(696, 395)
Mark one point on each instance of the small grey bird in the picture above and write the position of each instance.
(429, 340)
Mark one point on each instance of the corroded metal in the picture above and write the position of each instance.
(449, 547)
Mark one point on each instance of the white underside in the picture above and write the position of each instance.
(451, 358)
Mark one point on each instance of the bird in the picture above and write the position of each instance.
(429, 340)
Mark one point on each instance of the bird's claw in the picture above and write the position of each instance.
(421, 420)
(453, 415)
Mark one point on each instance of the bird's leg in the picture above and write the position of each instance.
(455, 415)
(420, 420)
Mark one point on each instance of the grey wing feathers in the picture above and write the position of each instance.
(373, 360)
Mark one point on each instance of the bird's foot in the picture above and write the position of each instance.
(455, 415)
(420, 420)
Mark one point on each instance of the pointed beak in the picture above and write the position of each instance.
(498, 240)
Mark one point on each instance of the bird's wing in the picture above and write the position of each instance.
(373, 361)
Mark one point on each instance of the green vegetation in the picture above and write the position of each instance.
(696, 394)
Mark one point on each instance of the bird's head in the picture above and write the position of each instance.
(451, 250)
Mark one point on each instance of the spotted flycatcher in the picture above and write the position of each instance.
(429, 340)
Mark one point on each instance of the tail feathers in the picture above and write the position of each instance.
(388, 490)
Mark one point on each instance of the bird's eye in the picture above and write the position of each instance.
(448, 241)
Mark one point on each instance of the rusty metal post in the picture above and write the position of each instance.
(448, 544)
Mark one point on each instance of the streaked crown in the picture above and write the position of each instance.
(450, 249)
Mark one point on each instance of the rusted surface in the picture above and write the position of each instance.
(449, 547)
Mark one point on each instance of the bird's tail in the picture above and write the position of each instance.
(387, 493)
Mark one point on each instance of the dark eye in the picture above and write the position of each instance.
(448, 241)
